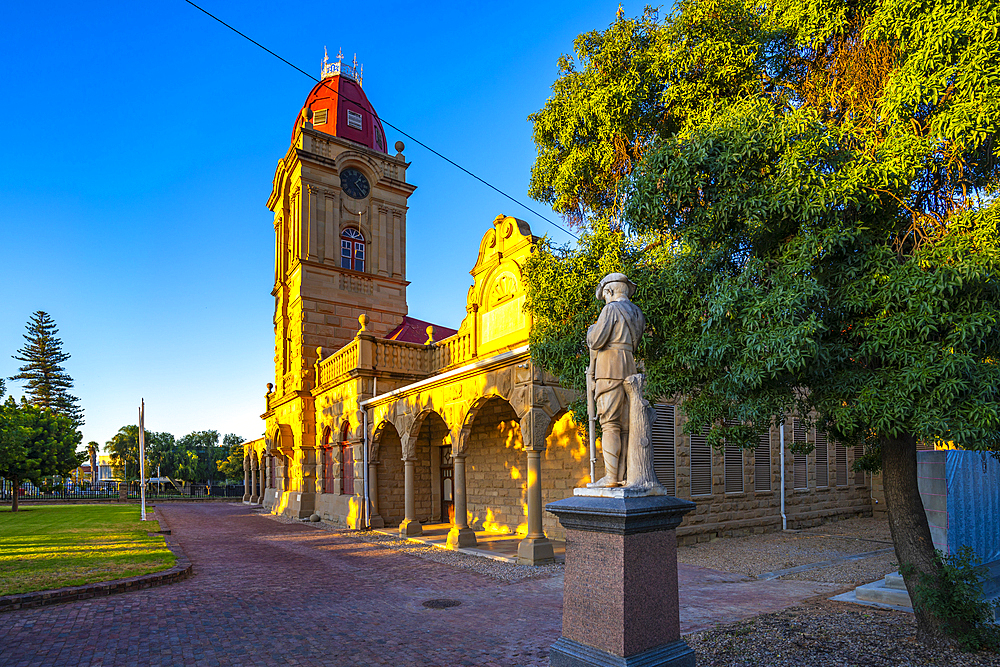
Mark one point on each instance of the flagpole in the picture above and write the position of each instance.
(142, 458)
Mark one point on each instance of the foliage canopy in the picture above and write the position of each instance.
(805, 194)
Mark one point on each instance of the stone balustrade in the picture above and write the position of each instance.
(401, 357)
(340, 363)
(393, 356)
(454, 351)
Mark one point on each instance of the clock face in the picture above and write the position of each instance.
(354, 184)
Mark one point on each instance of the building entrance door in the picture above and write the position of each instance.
(447, 486)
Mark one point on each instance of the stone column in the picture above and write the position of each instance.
(410, 526)
(246, 479)
(620, 601)
(254, 496)
(376, 519)
(460, 534)
(535, 548)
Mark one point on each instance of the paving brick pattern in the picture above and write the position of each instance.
(267, 593)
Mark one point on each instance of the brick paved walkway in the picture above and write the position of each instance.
(270, 593)
(267, 593)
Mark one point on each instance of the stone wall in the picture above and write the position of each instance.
(496, 471)
(731, 514)
(565, 466)
(390, 478)
(422, 482)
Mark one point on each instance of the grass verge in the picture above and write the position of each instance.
(44, 547)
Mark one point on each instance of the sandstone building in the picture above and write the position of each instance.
(455, 427)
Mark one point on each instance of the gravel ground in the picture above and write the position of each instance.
(755, 555)
(821, 632)
(851, 573)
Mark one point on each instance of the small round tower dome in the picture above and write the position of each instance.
(339, 107)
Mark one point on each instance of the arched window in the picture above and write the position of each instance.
(352, 249)
(346, 463)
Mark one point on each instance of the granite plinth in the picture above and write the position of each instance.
(620, 603)
(623, 515)
(568, 653)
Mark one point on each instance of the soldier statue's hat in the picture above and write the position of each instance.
(615, 278)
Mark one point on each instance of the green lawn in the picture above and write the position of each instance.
(50, 546)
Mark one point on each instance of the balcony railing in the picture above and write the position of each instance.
(341, 362)
(454, 351)
(399, 357)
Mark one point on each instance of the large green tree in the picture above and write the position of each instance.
(232, 466)
(13, 451)
(123, 448)
(35, 443)
(203, 454)
(817, 234)
(47, 383)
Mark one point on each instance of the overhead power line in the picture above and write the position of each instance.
(384, 121)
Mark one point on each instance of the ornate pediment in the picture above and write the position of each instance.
(496, 298)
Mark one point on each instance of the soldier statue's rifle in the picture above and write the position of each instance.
(592, 415)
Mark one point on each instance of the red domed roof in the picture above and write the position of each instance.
(340, 108)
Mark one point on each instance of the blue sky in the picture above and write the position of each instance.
(138, 144)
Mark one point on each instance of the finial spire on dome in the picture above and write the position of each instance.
(339, 68)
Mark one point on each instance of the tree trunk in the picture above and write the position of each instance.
(910, 533)
(16, 481)
(640, 448)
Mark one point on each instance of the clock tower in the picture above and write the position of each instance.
(339, 200)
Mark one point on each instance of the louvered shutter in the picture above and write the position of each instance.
(762, 463)
(841, 454)
(701, 465)
(663, 447)
(800, 469)
(822, 460)
(733, 466)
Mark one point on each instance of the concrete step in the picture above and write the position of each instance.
(879, 592)
(895, 581)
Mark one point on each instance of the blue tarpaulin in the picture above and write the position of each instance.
(973, 480)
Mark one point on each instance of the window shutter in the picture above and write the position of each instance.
(319, 117)
(354, 119)
(732, 458)
(762, 462)
(822, 460)
(841, 454)
(701, 465)
(800, 469)
(663, 447)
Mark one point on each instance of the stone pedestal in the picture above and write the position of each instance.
(620, 603)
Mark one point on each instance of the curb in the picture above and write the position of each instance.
(181, 570)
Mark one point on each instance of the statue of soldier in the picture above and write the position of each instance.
(613, 340)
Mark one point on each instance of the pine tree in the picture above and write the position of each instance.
(48, 384)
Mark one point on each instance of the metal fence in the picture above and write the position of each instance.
(110, 490)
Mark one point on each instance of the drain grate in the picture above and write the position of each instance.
(441, 603)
